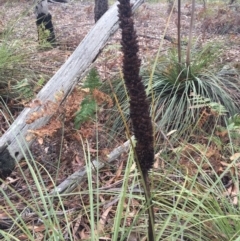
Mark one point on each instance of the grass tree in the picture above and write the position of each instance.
(181, 85)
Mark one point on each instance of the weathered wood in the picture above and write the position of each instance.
(64, 80)
(68, 185)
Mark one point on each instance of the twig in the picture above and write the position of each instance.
(149, 37)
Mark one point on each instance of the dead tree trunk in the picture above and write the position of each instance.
(101, 6)
(13, 143)
(44, 21)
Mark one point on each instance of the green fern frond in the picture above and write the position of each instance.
(88, 106)
(87, 111)
(93, 80)
(200, 101)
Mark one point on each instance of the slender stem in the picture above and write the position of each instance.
(179, 32)
(190, 35)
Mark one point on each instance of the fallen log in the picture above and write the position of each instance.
(68, 185)
(13, 143)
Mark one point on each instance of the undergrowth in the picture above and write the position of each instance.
(223, 21)
(175, 89)
(18, 83)
(194, 189)
(88, 105)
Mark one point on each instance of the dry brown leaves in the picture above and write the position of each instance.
(223, 21)
(63, 112)
(203, 156)
(206, 113)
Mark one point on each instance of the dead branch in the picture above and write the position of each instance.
(77, 177)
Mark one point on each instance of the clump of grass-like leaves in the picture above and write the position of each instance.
(173, 88)
(17, 81)
(21, 207)
(188, 191)
(199, 190)
(190, 209)
(9, 57)
(90, 212)
(175, 85)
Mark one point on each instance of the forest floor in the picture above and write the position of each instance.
(72, 21)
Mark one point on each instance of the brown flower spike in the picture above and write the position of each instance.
(139, 106)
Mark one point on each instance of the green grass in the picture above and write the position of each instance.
(189, 205)
(19, 78)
